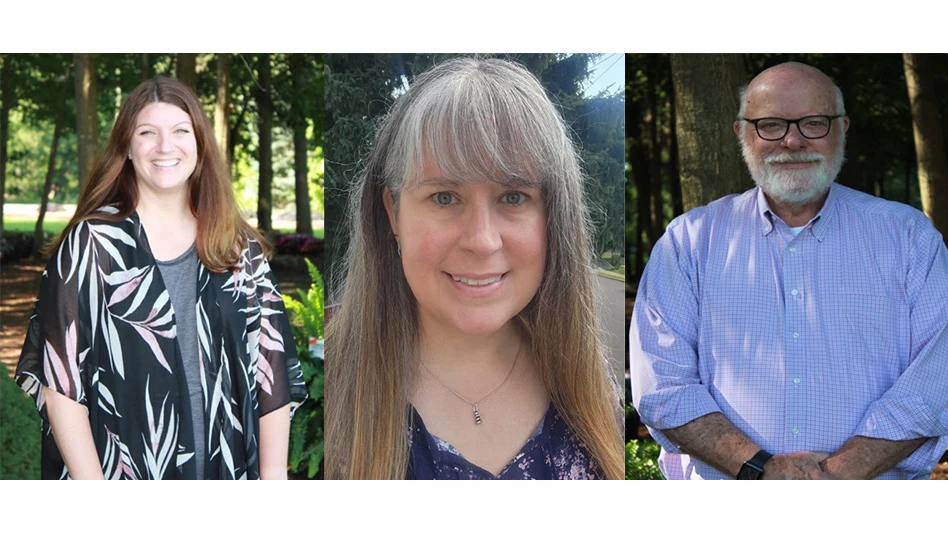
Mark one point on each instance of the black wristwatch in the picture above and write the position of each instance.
(753, 468)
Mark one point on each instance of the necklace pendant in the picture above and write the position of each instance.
(477, 416)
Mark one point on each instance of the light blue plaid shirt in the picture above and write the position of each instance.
(801, 342)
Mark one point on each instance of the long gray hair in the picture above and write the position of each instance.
(478, 119)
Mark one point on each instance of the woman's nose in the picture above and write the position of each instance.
(480, 232)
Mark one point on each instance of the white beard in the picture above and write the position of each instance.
(794, 186)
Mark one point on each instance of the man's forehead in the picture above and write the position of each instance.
(789, 98)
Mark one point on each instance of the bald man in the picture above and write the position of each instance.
(798, 330)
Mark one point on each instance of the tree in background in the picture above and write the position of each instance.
(227, 85)
(297, 121)
(59, 109)
(929, 139)
(222, 108)
(706, 100)
(265, 146)
(186, 69)
(87, 119)
(7, 100)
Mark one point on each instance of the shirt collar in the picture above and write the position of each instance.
(817, 225)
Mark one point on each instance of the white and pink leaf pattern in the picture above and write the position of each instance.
(118, 460)
(162, 435)
(149, 339)
(106, 399)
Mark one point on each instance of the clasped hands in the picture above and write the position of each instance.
(800, 465)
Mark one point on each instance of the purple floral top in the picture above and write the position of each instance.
(552, 452)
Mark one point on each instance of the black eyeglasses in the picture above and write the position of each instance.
(775, 128)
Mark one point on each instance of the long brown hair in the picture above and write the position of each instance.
(221, 231)
(479, 119)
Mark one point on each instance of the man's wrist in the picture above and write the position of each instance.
(753, 468)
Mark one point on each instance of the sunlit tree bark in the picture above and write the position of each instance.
(87, 120)
(706, 99)
(929, 141)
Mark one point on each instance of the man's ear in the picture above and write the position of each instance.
(390, 210)
(845, 124)
(737, 128)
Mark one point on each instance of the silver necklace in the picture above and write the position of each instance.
(477, 414)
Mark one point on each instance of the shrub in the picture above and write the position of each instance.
(15, 245)
(20, 431)
(297, 244)
(641, 460)
(306, 431)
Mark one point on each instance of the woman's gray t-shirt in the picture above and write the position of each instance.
(180, 277)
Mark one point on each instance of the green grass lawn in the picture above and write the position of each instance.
(27, 225)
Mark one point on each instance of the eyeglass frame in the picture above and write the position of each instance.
(789, 122)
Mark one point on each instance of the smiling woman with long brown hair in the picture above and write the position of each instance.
(159, 346)
(465, 344)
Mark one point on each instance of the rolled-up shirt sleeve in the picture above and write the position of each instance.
(917, 404)
(667, 390)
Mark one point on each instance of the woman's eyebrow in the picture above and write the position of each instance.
(439, 181)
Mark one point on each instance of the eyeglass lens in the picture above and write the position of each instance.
(776, 128)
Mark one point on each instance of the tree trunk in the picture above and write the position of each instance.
(657, 218)
(222, 108)
(87, 120)
(909, 161)
(304, 223)
(265, 154)
(674, 177)
(186, 70)
(145, 67)
(638, 164)
(852, 174)
(929, 142)
(6, 102)
(239, 120)
(706, 96)
(38, 237)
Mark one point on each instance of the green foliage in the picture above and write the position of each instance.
(641, 460)
(306, 431)
(36, 86)
(20, 437)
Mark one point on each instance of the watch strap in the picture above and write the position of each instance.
(753, 468)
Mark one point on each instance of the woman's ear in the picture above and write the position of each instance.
(390, 209)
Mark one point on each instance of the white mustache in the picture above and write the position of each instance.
(794, 157)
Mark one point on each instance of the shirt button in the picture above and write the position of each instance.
(794, 292)
(793, 249)
(796, 335)
(794, 431)
(796, 381)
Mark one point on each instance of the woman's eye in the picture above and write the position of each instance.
(514, 197)
(183, 131)
(443, 198)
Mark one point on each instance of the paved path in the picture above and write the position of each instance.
(610, 296)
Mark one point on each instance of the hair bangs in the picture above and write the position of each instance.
(476, 127)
